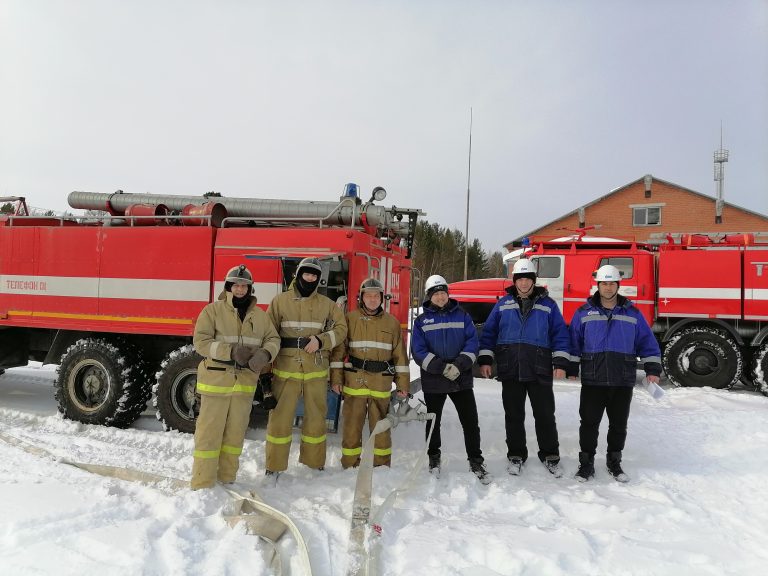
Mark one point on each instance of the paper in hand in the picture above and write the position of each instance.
(653, 389)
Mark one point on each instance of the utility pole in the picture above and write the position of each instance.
(469, 176)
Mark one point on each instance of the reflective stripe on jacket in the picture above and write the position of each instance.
(440, 337)
(217, 330)
(377, 338)
(295, 316)
(525, 349)
(607, 344)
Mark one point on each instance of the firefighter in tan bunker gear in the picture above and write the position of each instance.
(310, 326)
(375, 356)
(237, 340)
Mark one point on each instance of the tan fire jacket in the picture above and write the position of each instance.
(296, 317)
(377, 338)
(217, 331)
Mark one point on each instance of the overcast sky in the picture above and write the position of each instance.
(283, 99)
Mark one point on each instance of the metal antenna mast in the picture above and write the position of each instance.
(469, 176)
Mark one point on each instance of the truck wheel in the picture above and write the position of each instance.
(139, 391)
(96, 384)
(703, 356)
(760, 370)
(175, 398)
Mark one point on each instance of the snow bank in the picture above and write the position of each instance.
(696, 503)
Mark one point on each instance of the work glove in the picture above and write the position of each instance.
(241, 354)
(259, 359)
(451, 372)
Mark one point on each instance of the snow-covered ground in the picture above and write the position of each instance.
(697, 502)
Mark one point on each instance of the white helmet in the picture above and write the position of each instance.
(607, 273)
(435, 283)
(523, 267)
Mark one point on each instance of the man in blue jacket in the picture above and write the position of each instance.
(527, 336)
(607, 335)
(444, 344)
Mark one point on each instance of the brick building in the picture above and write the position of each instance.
(651, 206)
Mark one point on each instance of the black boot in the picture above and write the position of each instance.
(586, 467)
(613, 463)
(478, 469)
(434, 465)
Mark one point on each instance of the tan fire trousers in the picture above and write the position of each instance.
(219, 436)
(287, 392)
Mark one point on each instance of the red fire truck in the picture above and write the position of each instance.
(113, 298)
(705, 296)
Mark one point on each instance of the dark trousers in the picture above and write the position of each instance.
(595, 400)
(465, 404)
(513, 393)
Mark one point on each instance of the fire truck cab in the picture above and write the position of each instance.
(113, 298)
(705, 297)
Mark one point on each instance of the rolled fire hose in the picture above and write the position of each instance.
(363, 559)
(259, 518)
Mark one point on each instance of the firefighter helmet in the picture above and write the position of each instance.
(608, 273)
(239, 275)
(311, 265)
(524, 268)
(371, 285)
(435, 283)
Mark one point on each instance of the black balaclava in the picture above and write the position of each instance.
(241, 304)
(306, 288)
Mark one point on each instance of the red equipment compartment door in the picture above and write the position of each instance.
(155, 279)
(49, 275)
(756, 284)
(700, 283)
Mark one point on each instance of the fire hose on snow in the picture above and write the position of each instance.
(362, 559)
(258, 518)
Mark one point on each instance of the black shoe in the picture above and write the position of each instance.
(515, 466)
(478, 469)
(613, 463)
(586, 467)
(553, 465)
(270, 478)
(434, 465)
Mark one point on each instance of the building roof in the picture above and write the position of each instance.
(619, 189)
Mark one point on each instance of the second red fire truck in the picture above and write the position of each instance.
(705, 297)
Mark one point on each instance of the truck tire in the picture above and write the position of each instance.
(96, 383)
(703, 356)
(760, 369)
(140, 389)
(175, 398)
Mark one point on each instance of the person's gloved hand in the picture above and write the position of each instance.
(259, 359)
(269, 402)
(451, 372)
(241, 354)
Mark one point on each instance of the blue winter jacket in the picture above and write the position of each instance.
(607, 344)
(525, 349)
(440, 337)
